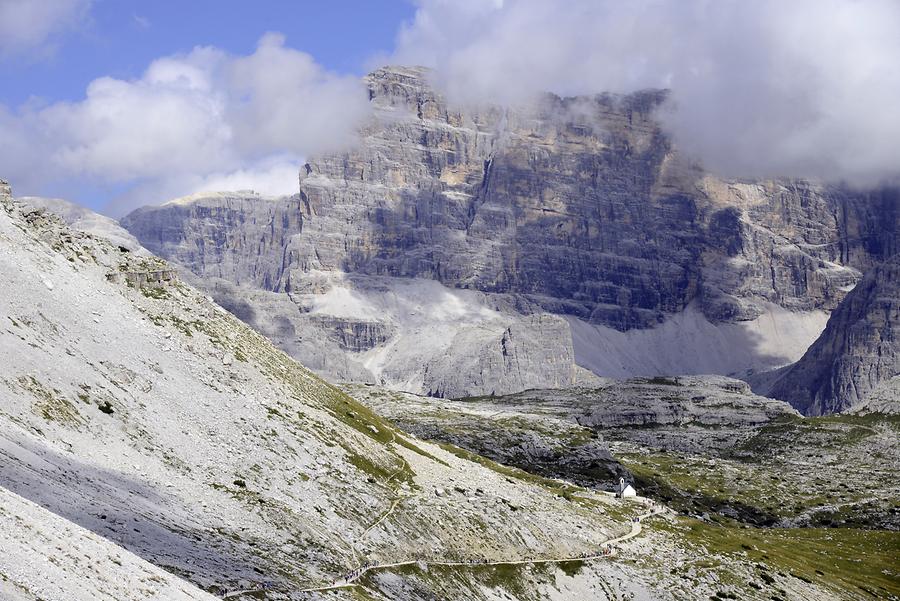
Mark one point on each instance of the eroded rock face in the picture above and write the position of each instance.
(857, 354)
(578, 207)
(239, 236)
(796, 244)
(581, 205)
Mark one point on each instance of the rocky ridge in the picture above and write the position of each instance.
(85, 220)
(857, 355)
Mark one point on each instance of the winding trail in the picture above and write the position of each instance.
(384, 516)
(611, 543)
(395, 502)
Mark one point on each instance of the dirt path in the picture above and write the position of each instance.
(362, 570)
(384, 516)
(395, 502)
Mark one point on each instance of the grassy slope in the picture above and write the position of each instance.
(838, 470)
(856, 564)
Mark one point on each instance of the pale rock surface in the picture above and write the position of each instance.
(43, 556)
(884, 398)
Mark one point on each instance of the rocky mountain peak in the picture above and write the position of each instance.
(576, 209)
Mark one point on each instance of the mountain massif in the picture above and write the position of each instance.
(143, 424)
(476, 251)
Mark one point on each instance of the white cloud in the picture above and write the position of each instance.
(274, 176)
(31, 25)
(201, 119)
(799, 88)
(283, 98)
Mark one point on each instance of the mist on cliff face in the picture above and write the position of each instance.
(762, 88)
(804, 88)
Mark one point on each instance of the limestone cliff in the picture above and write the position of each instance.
(571, 206)
(582, 205)
(857, 354)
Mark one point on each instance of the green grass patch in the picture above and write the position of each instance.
(51, 404)
(855, 564)
(155, 292)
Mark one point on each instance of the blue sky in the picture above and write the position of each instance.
(77, 42)
(120, 38)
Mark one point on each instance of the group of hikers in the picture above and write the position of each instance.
(356, 573)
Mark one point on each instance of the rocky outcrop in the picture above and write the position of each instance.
(85, 220)
(858, 353)
(354, 335)
(884, 399)
(570, 206)
(690, 414)
(560, 433)
(530, 352)
(553, 446)
(708, 401)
